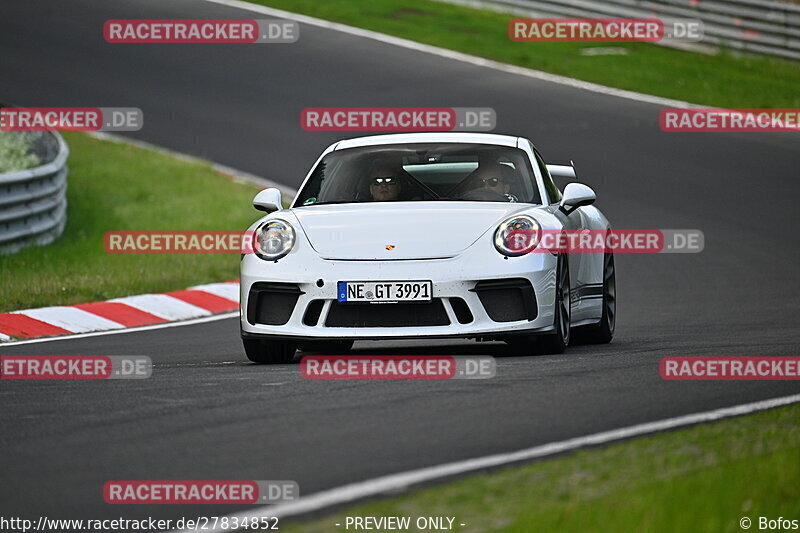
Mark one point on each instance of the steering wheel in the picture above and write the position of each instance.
(484, 195)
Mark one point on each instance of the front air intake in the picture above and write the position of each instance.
(507, 300)
(272, 303)
(365, 315)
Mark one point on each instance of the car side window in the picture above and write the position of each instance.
(549, 186)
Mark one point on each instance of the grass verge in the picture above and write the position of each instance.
(701, 479)
(723, 80)
(114, 186)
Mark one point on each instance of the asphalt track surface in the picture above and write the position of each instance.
(208, 414)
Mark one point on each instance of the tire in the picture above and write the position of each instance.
(557, 342)
(335, 347)
(269, 352)
(603, 331)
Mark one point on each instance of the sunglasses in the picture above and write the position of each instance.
(492, 182)
(384, 181)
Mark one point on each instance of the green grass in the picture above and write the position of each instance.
(723, 80)
(702, 479)
(115, 186)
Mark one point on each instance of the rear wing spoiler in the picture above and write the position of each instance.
(563, 171)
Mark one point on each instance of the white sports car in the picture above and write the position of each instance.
(418, 236)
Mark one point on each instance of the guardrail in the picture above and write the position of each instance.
(33, 202)
(762, 26)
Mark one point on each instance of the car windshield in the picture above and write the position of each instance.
(422, 172)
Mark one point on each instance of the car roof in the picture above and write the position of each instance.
(433, 137)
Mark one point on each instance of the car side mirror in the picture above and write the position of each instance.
(576, 195)
(268, 200)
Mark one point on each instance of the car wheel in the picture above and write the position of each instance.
(558, 341)
(327, 347)
(603, 331)
(270, 352)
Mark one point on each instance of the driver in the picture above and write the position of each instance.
(384, 183)
(496, 178)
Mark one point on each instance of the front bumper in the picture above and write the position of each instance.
(306, 288)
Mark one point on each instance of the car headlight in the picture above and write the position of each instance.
(518, 235)
(273, 239)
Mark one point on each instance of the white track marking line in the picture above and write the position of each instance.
(401, 481)
(70, 318)
(229, 291)
(163, 306)
(190, 322)
(451, 54)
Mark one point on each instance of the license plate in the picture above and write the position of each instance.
(385, 291)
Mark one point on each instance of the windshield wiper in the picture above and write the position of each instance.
(330, 203)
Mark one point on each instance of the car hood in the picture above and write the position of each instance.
(399, 230)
